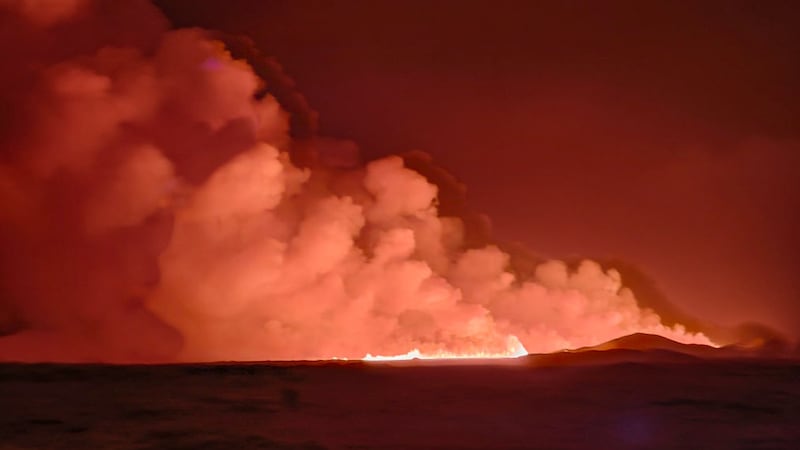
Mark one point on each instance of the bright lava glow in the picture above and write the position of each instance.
(515, 350)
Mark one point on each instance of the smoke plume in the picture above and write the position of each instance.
(156, 208)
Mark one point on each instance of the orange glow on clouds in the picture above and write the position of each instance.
(195, 234)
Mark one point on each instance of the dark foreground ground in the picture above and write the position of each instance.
(694, 404)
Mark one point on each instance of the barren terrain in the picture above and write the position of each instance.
(584, 400)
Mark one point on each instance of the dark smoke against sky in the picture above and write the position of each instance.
(661, 134)
(155, 206)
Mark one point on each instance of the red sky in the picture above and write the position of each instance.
(664, 134)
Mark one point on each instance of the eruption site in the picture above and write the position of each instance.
(155, 207)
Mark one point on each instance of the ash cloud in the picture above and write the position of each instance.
(157, 208)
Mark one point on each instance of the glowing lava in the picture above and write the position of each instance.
(515, 349)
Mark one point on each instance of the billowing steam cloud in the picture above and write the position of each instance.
(152, 211)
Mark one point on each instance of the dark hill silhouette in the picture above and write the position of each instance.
(644, 341)
(649, 348)
(638, 347)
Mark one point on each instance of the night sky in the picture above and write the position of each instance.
(660, 135)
